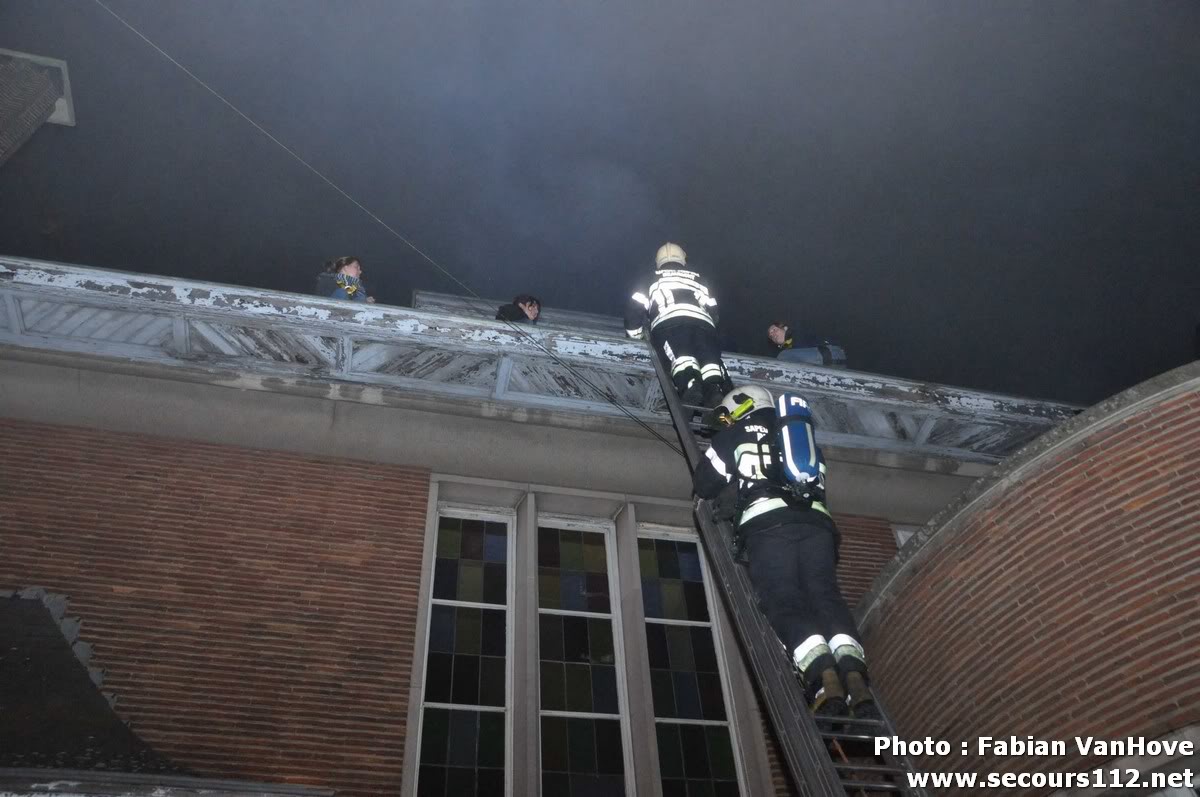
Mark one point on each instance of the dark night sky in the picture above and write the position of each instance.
(1001, 195)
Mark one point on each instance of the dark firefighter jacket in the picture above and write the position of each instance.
(742, 454)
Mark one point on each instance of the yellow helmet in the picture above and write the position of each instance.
(670, 253)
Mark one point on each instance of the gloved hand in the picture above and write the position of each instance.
(724, 506)
(636, 334)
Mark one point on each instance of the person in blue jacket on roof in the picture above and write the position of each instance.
(796, 346)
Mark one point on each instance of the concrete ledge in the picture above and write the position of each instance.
(87, 783)
(570, 376)
(490, 441)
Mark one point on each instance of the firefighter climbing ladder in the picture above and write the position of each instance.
(825, 756)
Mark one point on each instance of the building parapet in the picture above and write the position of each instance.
(549, 373)
(551, 317)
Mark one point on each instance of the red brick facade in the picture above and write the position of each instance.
(253, 611)
(1066, 603)
(867, 545)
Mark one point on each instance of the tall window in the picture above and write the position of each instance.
(694, 748)
(465, 703)
(531, 659)
(580, 713)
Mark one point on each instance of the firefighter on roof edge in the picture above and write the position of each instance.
(768, 451)
(683, 329)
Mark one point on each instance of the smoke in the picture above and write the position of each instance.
(971, 193)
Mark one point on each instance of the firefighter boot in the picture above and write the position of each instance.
(693, 394)
(712, 393)
(830, 700)
(862, 702)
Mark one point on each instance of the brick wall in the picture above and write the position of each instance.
(253, 611)
(1065, 603)
(867, 545)
(251, 622)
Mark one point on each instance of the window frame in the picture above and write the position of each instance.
(426, 603)
(715, 622)
(518, 505)
(609, 530)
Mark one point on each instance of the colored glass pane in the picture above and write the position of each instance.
(495, 543)
(550, 637)
(493, 638)
(462, 753)
(668, 559)
(494, 583)
(579, 687)
(594, 558)
(449, 543)
(674, 607)
(554, 686)
(572, 595)
(604, 690)
(445, 579)
(652, 599)
(647, 560)
(596, 593)
(689, 562)
(467, 630)
(549, 589)
(491, 681)
(470, 581)
(570, 550)
(679, 643)
(704, 653)
(695, 602)
(441, 629)
(547, 548)
(600, 642)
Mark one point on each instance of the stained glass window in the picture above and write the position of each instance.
(465, 702)
(581, 735)
(695, 752)
(467, 743)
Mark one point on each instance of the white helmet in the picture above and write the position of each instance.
(741, 401)
(670, 253)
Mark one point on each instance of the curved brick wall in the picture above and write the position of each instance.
(1062, 599)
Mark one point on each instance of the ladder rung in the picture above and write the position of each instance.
(851, 721)
(871, 768)
(868, 786)
(857, 737)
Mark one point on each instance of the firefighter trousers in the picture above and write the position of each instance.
(691, 352)
(793, 567)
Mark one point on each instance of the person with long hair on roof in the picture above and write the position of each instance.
(524, 307)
